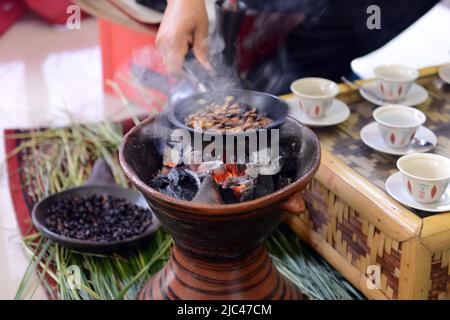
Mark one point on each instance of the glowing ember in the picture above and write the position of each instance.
(233, 177)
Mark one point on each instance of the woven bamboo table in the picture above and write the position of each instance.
(353, 223)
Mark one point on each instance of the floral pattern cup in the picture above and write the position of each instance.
(398, 124)
(315, 95)
(394, 81)
(425, 176)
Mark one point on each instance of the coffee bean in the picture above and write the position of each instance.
(97, 218)
(224, 117)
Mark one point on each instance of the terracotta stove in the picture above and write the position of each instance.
(218, 251)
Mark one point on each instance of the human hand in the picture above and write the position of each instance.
(184, 25)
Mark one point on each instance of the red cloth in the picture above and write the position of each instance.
(10, 12)
(54, 11)
(134, 47)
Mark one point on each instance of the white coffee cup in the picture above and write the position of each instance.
(398, 124)
(315, 95)
(394, 81)
(425, 175)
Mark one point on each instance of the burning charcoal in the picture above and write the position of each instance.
(234, 182)
(271, 168)
(242, 187)
(178, 183)
(160, 181)
(248, 193)
(264, 185)
(228, 196)
(263, 163)
(216, 182)
(174, 176)
(194, 176)
(209, 166)
(208, 192)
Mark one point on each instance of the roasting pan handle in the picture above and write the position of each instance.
(194, 71)
(294, 204)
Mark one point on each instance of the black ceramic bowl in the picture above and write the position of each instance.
(266, 104)
(131, 196)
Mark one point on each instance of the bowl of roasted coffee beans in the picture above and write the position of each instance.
(228, 113)
(95, 218)
(99, 216)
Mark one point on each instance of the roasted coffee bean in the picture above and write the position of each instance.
(234, 118)
(97, 218)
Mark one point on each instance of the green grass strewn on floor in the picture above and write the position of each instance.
(59, 158)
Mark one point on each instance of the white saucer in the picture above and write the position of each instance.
(372, 138)
(396, 189)
(416, 95)
(337, 113)
(444, 73)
